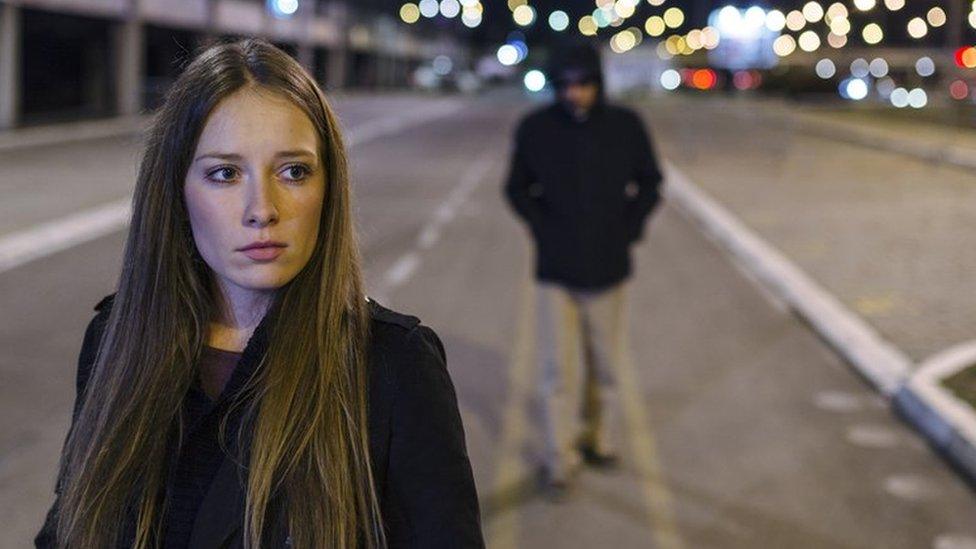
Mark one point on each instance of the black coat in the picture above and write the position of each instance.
(419, 459)
(569, 182)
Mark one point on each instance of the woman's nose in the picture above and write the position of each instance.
(261, 208)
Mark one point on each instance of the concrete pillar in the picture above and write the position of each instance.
(337, 60)
(306, 57)
(10, 75)
(129, 46)
(337, 67)
(389, 70)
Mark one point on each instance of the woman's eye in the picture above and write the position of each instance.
(222, 171)
(297, 172)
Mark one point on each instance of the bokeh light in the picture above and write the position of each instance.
(899, 98)
(959, 90)
(450, 8)
(826, 69)
(410, 13)
(872, 33)
(654, 26)
(854, 88)
(534, 80)
(917, 28)
(784, 45)
(507, 55)
(809, 41)
(775, 20)
(429, 8)
(795, 20)
(813, 11)
(558, 20)
(670, 79)
(587, 25)
(925, 66)
(523, 15)
(674, 17)
(878, 67)
(917, 98)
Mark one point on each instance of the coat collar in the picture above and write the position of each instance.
(221, 513)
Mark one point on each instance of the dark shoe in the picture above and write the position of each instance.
(596, 459)
(554, 488)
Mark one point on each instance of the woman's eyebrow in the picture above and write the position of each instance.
(234, 156)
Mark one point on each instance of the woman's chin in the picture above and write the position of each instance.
(264, 279)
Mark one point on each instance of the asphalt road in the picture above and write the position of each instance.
(743, 429)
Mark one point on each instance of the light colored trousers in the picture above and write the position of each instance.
(580, 338)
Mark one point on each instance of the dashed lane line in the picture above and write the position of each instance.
(48, 238)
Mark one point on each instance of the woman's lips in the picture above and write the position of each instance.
(264, 253)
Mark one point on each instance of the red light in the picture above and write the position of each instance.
(743, 80)
(704, 79)
(959, 90)
(965, 57)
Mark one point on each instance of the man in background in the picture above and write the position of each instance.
(584, 178)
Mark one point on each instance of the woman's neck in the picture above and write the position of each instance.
(239, 313)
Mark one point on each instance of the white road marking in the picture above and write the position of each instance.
(954, 541)
(23, 246)
(910, 487)
(406, 265)
(838, 401)
(51, 237)
(872, 436)
(401, 270)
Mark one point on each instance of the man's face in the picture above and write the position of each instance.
(580, 95)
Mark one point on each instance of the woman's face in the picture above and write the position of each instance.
(257, 180)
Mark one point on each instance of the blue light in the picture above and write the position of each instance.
(283, 8)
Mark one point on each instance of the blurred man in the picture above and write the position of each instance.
(584, 178)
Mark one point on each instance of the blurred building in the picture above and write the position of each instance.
(74, 59)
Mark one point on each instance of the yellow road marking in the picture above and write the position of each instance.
(657, 495)
(503, 531)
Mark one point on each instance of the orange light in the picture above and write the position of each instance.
(704, 79)
(966, 57)
(969, 58)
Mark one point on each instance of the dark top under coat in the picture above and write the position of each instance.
(418, 455)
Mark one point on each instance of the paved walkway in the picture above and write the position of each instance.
(886, 232)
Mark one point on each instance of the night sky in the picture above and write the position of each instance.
(498, 23)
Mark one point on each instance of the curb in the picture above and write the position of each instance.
(947, 422)
(937, 153)
(879, 361)
(66, 132)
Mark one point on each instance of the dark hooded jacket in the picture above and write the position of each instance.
(584, 186)
(417, 449)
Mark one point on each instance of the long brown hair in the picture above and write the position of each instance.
(309, 454)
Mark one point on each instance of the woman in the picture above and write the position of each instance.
(239, 389)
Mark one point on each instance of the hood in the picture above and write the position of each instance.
(574, 60)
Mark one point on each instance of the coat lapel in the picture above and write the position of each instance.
(221, 512)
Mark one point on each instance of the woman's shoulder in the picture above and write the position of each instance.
(402, 346)
(398, 331)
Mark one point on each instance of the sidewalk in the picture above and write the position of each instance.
(874, 210)
(926, 140)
